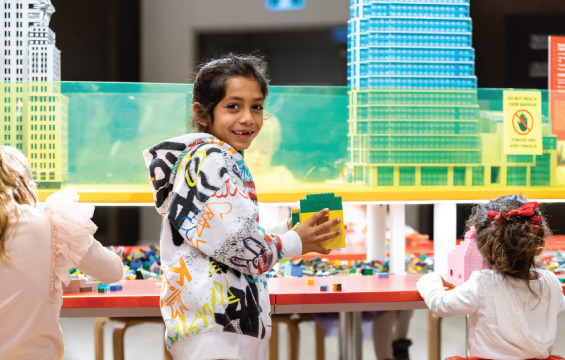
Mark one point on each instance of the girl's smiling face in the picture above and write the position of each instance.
(238, 117)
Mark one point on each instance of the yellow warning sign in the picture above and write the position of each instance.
(522, 123)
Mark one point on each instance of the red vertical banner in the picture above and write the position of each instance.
(556, 63)
(556, 67)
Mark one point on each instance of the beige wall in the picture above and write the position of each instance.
(169, 28)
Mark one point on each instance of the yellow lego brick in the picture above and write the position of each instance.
(339, 241)
(309, 281)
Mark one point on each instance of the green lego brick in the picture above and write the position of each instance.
(317, 202)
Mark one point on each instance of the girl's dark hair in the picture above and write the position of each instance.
(509, 246)
(210, 83)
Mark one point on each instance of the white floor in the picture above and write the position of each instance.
(145, 341)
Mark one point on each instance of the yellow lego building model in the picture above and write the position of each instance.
(316, 202)
(46, 139)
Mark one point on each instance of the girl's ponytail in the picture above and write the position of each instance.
(15, 188)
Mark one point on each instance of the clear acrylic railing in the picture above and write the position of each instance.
(418, 145)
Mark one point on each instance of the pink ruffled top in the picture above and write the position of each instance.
(46, 242)
(71, 232)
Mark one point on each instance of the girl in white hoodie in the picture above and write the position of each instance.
(512, 307)
(214, 298)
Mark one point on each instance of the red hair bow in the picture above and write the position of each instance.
(528, 209)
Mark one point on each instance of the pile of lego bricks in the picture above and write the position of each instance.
(318, 267)
(142, 263)
(419, 264)
(553, 261)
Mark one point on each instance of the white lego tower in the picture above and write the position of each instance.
(33, 112)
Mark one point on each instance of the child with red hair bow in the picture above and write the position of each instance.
(512, 307)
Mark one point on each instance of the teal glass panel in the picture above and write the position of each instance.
(110, 124)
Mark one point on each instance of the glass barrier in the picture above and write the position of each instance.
(365, 145)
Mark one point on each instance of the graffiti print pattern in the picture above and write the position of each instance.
(212, 249)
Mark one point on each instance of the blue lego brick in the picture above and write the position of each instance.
(296, 270)
(324, 288)
(116, 287)
(382, 275)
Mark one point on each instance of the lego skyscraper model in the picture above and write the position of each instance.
(33, 113)
(414, 115)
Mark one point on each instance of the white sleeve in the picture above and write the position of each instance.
(460, 300)
(102, 264)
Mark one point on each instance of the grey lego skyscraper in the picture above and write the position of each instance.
(33, 113)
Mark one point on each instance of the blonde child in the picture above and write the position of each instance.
(214, 298)
(512, 307)
(38, 247)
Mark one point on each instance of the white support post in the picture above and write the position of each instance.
(376, 232)
(397, 239)
(445, 234)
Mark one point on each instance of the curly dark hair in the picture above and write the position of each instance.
(509, 246)
(210, 83)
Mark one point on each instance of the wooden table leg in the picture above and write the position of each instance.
(99, 337)
(274, 341)
(434, 337)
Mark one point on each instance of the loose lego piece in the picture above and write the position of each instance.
(139, 275)
(116, 287)
(296, 270)
(79, 283)
(382, 275)
(324, 288)
(337, 287)
(309, 281)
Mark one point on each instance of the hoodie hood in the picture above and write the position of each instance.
(163, 160)
(528, 319)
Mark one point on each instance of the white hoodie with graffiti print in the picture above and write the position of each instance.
(214, 298)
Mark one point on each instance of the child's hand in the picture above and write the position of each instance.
(312, 234)
(447, 283)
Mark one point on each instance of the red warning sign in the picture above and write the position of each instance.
(522, 122)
